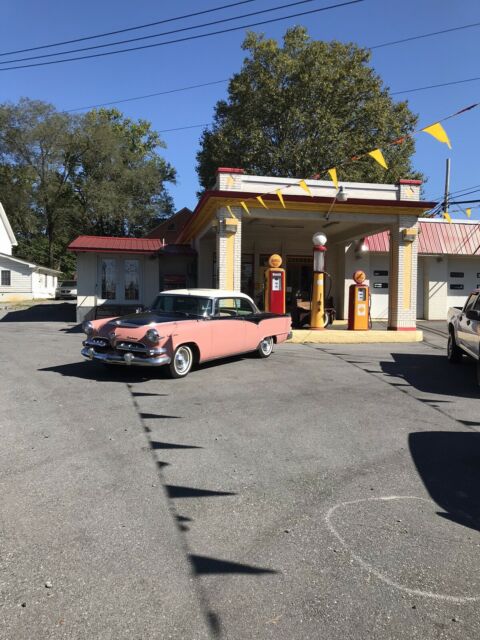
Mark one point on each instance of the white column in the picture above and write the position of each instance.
(402, 304)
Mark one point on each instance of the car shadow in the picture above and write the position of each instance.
(48, 312)
(434, 374)
(449, 465)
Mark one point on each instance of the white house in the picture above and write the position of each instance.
(19, 279)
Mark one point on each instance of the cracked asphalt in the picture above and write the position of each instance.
(321, 493)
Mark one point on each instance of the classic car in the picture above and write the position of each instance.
(184, 327)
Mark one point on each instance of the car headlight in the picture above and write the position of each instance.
(153, 336)
(87, 327)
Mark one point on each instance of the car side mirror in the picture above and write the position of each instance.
(473, 314)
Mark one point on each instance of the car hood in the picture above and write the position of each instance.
(145, 318)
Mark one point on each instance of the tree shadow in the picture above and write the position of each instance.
(434, 374)
(449, 465)
(48, 312)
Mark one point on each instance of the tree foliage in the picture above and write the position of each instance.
(303, 108)
(62, 175)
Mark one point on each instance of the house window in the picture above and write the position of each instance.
(132, 280)
(457, 274)
(6, 278)
(109, 279)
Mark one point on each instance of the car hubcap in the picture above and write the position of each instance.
(266, 345)
(182, 360)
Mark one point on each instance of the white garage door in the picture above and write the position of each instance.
(379, 285)
(462, 278)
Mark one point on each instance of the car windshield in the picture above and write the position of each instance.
(183, 305)
(68, 283)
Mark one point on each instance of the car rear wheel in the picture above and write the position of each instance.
(182, 362)
(478, 372)
(265, 347)
(454, 353)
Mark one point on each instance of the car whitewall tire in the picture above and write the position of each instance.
(182, 361)
(265, 347)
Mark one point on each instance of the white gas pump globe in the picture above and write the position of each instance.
(319, 239)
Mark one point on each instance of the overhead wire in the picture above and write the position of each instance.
(140, 26)
(185, 39)
(158, 35)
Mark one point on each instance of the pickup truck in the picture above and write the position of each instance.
(464, 331)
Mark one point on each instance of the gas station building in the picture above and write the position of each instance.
(233, 242)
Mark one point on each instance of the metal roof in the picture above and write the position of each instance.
(109, 244)
(437, 238)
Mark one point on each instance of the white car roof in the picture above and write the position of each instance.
(208, 293)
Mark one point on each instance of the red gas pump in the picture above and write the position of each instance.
(359, 303)
(274, 296)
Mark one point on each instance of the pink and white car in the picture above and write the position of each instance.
(184, 327)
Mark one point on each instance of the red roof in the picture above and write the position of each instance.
(108, 244)
(437, 238)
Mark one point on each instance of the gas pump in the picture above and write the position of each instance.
(359, 303)
(274, 294)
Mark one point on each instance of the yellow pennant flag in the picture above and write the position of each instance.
(231, 212)
(438, 132)
(230, 181)
(468, 212)
(245, 207)
(447, 217)
(378, 156)
(280, 197)
(260, 199)
(333, 176)
(305, 187)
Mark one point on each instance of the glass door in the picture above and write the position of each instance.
(119, 280)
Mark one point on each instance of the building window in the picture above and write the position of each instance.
(108, 279)
(6, 278)
(456, 274)
(132, 290)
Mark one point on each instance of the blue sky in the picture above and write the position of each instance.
(443, 58)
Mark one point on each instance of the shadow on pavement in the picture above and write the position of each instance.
(48, 312)
(434, 374)
(449, 465)
(103, 373)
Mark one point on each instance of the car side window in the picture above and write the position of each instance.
(476, 306)
(244, 307)
(226, 307)
(471, 301)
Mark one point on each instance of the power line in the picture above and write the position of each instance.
(192, 126)
(186, 39)
(157, 35)
(435, 86)
(140, 26)
(425, 35)
(148, 95)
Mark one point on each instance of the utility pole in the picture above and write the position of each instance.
(447, 186)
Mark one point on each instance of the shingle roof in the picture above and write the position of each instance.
(437, 238)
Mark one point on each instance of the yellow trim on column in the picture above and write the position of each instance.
(407, 276)
(229, 260)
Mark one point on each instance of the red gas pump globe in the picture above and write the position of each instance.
(359, 276)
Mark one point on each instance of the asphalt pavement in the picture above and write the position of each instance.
(326, 492)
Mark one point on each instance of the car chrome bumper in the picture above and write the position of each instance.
(127, 358)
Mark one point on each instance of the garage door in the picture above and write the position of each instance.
(462, 278)
(379, 285)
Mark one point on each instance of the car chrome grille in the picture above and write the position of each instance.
(134, 347)
(97, 342)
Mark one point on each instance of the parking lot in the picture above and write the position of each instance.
(326, 492)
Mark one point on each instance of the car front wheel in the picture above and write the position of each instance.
(265, 347)
(454, 353)
(182, 362)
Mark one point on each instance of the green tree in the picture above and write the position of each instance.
(121, 181)
(63, 175)
(303, 108)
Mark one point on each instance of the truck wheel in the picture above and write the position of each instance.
(454, 353)
(265, 347)
(182, 362)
